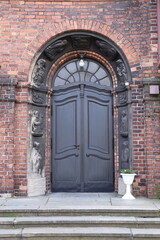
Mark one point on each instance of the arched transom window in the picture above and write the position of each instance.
(91, 71)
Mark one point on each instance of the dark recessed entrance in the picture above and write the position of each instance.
(82, 133)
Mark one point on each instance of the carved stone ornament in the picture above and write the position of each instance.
(37, 97)
(36, 158)
(124, 124)
(107, 50)
(81, 42)
(125, 151)
(37, 124)
(39, 72)
(122, 98)
(55, 48)
(121, 71)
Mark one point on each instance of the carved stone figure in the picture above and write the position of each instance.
(125, 151)
(122, 97)
(37, 97)
(106, 49)
(36, 158)
(37, 124)
(39, 72)
(124, 124)
(121, 71)
(81, 42)
(55, 48)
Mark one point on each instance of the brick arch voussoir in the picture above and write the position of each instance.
(54, 29)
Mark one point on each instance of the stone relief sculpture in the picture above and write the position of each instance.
(124, 124)
(55, 48)
(39, 72)
(37, 124)
(81, 42)
(36, 158)
(37, 97)
(125, 151)
(121, 71)
(122, 97)
(106, 49)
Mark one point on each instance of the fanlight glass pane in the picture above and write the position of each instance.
(100, 73)
(63, 73)
(105, 81)
(93, 67)
(76, 77)
(88, 76)
(71, 67)
(91, 72)
(93, 79)
(59, 82)
(71, 79)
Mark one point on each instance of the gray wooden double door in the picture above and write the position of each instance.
(82, 155)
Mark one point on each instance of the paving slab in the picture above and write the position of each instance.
(51, 221)
(76, 204)
(7, 220)
(82, 195)
(26, 201)
(2, 201)
(73, 218)
(149, 232)
(76, 231)
(18, 207)
(148, 220)
(138, 202)
(10, 232)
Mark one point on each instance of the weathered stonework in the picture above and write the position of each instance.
(36, 186)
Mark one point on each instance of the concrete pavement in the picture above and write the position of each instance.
(78, 201)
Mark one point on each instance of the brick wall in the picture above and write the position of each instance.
(7, 137)
(26, 28)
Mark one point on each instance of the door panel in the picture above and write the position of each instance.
(98, 169)
(98, 126)
(64, 172)
(66, 157)
(98, 163)
(65, 130)
(82, 133)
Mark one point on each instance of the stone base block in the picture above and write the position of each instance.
(36, 186)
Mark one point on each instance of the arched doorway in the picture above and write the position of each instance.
(93, 88)
(82, 131)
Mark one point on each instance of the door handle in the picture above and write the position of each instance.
(77, 146)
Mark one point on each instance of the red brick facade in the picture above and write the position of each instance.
(26, 27)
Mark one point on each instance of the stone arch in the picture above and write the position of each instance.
(51, 31)
(56, 51)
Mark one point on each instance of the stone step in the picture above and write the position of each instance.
(78, 221)
(110, 211)
(77, 233)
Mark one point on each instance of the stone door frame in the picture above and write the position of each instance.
(52, 55)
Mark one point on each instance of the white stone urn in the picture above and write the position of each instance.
(128, 179)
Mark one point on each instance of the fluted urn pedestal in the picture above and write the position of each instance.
(128, 180)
